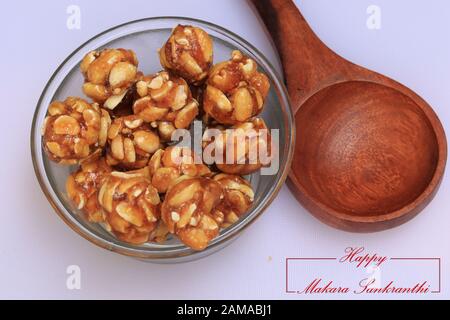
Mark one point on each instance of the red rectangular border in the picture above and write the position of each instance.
(334, 259)
(287, 268)
(429, 259)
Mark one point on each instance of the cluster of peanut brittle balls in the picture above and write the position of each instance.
(130, 178)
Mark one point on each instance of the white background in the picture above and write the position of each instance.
(37, 247)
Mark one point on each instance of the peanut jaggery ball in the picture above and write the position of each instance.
(187, 210)
(166, 102)
(131, 205)
(82, 187)
(109, 74)
(131, 142)
(235, 90)
(238, 198)
(74, 130)
(188, 53)
(241, 149)
(173, 164)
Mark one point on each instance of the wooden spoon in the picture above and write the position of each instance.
(370, 153)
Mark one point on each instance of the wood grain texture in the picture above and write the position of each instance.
(370, 153)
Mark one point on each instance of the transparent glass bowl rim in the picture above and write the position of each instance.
(179, 250)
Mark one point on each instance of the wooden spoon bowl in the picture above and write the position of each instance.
(370, 153)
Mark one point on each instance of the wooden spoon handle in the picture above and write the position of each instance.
(308, 63)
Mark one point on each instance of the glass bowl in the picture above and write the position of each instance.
(145, 37)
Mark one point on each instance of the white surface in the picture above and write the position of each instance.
(36, 246)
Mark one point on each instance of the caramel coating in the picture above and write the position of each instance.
(109, 74)
(131, 205)
(249, 141)
(166, 102)
(238, 198)
(188, 53)
(129, 126)
(160, 233)
(235, 90)
(170, 166)
(82, 187)
(131, 142)
(187, 210)
(74, 130)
